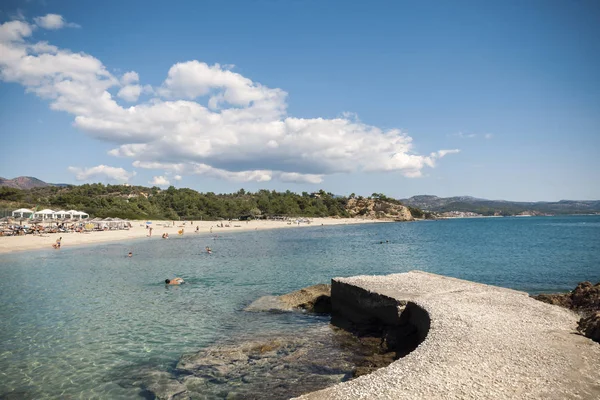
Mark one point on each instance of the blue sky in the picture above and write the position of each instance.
(491, 99)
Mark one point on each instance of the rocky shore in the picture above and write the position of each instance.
(405, 336)
(584, 300)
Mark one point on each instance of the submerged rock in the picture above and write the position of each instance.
(315, 299)
(272, 367)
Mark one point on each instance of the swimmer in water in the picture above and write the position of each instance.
(175, 281)
(130, 254)
(208, 250)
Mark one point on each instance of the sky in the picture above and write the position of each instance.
(497, 100)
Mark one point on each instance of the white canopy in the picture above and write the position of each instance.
(62, 213)
(79, 214)
(47, 213)
(22, 211)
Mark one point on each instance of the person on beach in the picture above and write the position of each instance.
(197, 229)
(176, 281)
(57, 244)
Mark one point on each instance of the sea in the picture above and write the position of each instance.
(83, 321)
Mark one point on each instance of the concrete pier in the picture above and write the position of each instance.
(468, 341)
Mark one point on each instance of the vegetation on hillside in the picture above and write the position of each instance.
(138, 202)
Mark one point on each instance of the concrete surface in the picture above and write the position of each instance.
(483, 342)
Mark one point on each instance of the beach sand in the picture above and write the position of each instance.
(9, 244)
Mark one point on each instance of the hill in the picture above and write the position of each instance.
(501, 207)
(22, 182)
(139, 202)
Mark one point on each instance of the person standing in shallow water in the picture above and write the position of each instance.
(57, 244)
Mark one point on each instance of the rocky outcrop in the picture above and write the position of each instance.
(584, 299)
(378, 209)
(590, 326)
(314, 299)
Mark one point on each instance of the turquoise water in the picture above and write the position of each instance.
(85, 322)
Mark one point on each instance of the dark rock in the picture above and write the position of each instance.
(559, 299)
(322, 304)
(311, 299)
(586, 297)
(590, 326)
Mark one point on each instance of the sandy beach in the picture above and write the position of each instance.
(10, 244)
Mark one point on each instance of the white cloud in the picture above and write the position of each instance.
(130, 92)
(159, 181)
(300, 178)
(130, 77)
(54, 21)
(442, 153)
(177, 178)
(14, 31)
(203, 120)
(102, 172)
(463, 135)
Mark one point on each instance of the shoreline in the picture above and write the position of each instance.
(17, 244)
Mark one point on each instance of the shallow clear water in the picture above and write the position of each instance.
(82, 322)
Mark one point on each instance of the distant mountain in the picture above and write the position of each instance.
(501, 207)
(28, 182)
(23, 182)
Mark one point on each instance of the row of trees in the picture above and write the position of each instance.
(137, 202)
